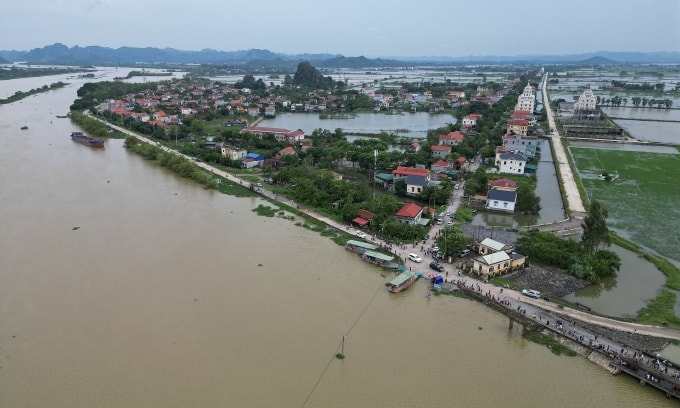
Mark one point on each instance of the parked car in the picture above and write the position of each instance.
(464, 253)
(456, 186)
(449, 223)
(361, 234)
(414, 257)
(437, 266)
(531, 293)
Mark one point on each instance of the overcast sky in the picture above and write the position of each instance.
(372, 28)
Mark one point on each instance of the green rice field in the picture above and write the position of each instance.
(644, 202)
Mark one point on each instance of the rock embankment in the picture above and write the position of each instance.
(551, 283)
(556, 284)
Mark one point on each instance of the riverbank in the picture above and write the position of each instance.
(19, 95)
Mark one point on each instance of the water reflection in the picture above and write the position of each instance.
(623, 294)
(413, 125)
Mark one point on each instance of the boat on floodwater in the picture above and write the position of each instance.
(81, 138)
(402, 281)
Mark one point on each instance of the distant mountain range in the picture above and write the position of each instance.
(59, 54)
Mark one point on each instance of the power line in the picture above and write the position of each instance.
(330, 360)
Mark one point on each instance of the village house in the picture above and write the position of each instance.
(509, 162)
(286, 151)
(415, 184)
(270, 111)
(497, 263)
(503, 184)
(501, 200)
(489, 246)
(253, 160)
(440, 166)
(253, 111)
(451, 139)
(402, 172)
(234, 153)
(385, 180)
(471, 119)
(455, 96)
(363, 218)
(409, 213)
(518, 126)
(491, 265)
(280, 134)
(440, 151)
(526, 145)
(459, 162)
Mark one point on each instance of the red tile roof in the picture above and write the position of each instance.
(452, 136)
(441, 148)
(504, 183)
(411, 171)
(521, 114)
(360, 221)
(366, 214)
(409, 210)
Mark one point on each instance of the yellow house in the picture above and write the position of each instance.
(491, 265)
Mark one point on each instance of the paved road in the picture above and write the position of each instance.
(574, 200)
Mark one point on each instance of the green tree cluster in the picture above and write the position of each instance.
(586, 259)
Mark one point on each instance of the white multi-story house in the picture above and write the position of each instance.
(512, 163)
(587, 101)
(526, 101)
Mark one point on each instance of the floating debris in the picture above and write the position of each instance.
(24, 127)
(259, 264)
(74, 228)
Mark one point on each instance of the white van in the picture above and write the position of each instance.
(414, 257)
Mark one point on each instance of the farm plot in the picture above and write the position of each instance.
(643, 202)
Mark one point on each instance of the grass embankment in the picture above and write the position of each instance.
(187, 169)
(646, 194)
(19, 95)
(555, 346)
(93, 127)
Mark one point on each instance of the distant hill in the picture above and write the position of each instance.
(59, 54)
(600, 61)
(3, 61)
(358, 62)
